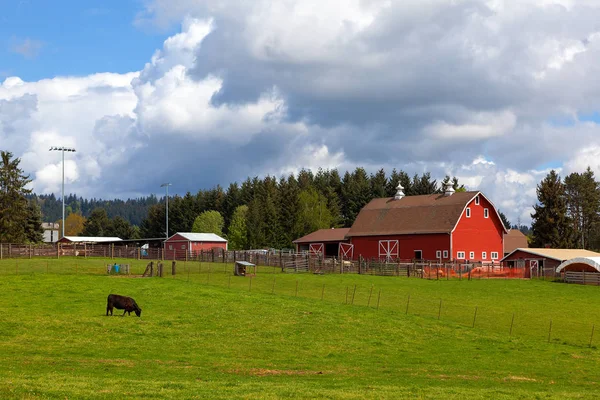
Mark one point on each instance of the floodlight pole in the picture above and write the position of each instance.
(62, 150)
(166, 185)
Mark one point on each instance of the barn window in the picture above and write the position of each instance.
(460, 255)
(170, 247)
(468, 212)
(486, 213)
(445, 253)
(471, 255)
(183, 247)
(494, 255)
(483, 255)
(477, 200)
(438, 254)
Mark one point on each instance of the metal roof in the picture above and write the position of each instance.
(556, 254)
(593, 262)
(245, 263)
(95, 239)
(200, 237)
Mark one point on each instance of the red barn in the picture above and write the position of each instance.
(542, 258)
(461, 226)
(181, 242)
(326, 242)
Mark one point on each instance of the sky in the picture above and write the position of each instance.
(207, 92)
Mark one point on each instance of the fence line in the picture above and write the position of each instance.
(287, 261)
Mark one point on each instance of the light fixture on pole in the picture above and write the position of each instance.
(62, 150)
(166, 185)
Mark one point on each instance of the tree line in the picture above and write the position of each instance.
(272, 212)
(568, 211)
(267, 212)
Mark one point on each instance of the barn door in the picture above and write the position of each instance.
(346, 251)
(533, 268)
(317, 249)
(388, 249)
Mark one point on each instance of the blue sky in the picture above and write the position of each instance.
(43, 39)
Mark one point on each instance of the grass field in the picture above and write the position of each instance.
(206, 334)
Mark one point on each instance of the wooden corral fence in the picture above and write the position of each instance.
(287, 261)
(582, 278)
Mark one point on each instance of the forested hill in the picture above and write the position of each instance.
(267, 212)
(132, 210)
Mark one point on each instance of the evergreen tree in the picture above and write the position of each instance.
(423, 185)
(551, 226)
(505, 220)
(305, 179)
(583, 204)
(356, 193)
(392, 184)
(153, 226)
(209, 222)
(231, 202)
(33, 227)
(256, 226)
(14, 210)
(98, 224)
(288, 210)
(379, 184)
(238, 229)
(121, 228)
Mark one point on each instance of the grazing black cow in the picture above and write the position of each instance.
(122, 303)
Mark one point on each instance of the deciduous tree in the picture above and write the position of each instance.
(238, 229)
(209, 222)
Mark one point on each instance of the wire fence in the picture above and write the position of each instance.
(498, 314)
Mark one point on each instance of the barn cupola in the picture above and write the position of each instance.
(448, 189)
(399, 192)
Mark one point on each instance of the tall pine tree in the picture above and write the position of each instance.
(551, 226)
(14, 209)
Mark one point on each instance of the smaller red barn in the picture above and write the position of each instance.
(183, 242)
(534, 260)
(327, 242)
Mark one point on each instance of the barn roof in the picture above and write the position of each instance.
(514, 239)
(92, 239)
(432, 213)
(556, 254)
(324, 235)
(593, 262)
(200, 237)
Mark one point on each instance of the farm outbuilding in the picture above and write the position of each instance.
(514, 239)
(580, 264)
(190, 242)
(325, 242)
(536, 260)
(581, 270)
(445, 226)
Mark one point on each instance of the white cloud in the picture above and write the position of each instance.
(464, 88)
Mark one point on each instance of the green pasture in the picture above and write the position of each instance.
(207, 334)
